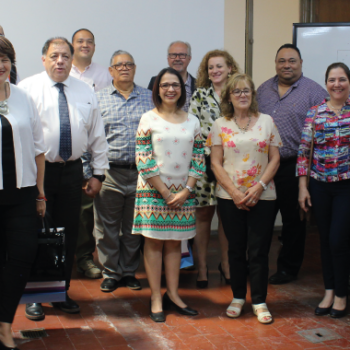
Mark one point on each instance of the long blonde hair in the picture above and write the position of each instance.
(202, 74)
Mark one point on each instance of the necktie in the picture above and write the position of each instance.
(65, 132)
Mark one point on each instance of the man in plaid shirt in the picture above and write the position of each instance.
(122, 104)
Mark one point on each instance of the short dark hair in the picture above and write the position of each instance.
(79, 30)
(6, 49)
(338, 65)
(157, 101)
(57, 39)
(289, 46)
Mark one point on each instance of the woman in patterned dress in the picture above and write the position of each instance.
(329, 187)
(170, 160)
(213, 72)
(245, 157)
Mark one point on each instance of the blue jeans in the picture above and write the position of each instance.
(331, 206)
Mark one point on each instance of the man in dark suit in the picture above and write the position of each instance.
(179, 57)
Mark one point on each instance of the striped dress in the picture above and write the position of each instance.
(174, 152)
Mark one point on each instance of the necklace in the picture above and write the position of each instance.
(4, 108)
(246, 127)
(337, 110)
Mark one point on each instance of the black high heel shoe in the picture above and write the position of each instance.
(222, 275)
(156, 316)
(202, 284)
(168, 303)
(3, 347)
(322, 311)
(334, 313)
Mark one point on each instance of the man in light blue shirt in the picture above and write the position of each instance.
(122, 104)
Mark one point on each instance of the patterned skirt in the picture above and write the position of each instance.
(205, 192)
(153, 218)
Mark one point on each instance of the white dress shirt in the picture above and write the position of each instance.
(94, 75)
(28, 138)
(87, 128)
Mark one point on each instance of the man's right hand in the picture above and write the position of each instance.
(93, 187)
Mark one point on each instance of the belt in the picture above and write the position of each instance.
(62, 164)
(123, 166)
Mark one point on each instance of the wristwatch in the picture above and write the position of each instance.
(189, 188)
(100, 178)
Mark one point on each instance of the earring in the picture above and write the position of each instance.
(228, 75)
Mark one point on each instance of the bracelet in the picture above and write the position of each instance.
(263, 185)
(41, 199)
(189, 188)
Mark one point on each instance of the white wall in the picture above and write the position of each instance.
(144, 28)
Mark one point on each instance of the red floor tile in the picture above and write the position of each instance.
(120, 320)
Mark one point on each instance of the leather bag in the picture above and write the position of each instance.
(50, 261)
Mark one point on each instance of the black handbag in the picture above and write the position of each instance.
(50, 261)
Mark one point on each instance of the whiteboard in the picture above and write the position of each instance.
(320, 45)
(144, 28)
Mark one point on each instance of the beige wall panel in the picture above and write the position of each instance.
(273, 27)
(234, 38)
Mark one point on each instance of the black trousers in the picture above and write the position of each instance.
(63, 192)
(291, 255)
(248, 232)
(331, 207)
(19, 242)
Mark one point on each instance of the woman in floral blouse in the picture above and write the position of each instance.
(245, 157)
(330, 185)
(213, 73)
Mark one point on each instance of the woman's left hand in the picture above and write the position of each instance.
(179, 199)
(41, 208)
(252, 195)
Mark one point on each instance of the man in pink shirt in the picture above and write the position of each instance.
(97, 77)
(83, 68)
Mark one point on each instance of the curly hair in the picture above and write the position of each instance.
(202, 74)
(226, 105)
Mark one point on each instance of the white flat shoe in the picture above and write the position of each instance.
(237, 311)
(263, 314)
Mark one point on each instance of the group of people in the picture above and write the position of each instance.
(112, 162)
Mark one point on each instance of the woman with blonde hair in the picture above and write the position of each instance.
(244, 158)
(213, 73)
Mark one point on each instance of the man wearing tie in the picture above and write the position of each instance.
(72, 124)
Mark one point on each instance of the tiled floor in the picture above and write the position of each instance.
(120, 320)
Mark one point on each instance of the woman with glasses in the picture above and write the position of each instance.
(245, 157)
(213, 73)
(169, 158)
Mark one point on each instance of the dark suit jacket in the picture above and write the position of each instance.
(193, 83)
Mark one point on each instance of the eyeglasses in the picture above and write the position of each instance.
(238, 92)
(182, 56)
(120, 66)
(166, 86)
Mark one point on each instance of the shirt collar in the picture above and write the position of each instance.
(86, 68)
(188, 80)
(296, 84)
(112, 90)
(53, 83)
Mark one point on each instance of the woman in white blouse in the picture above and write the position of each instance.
(244, 156)
(21, 191)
